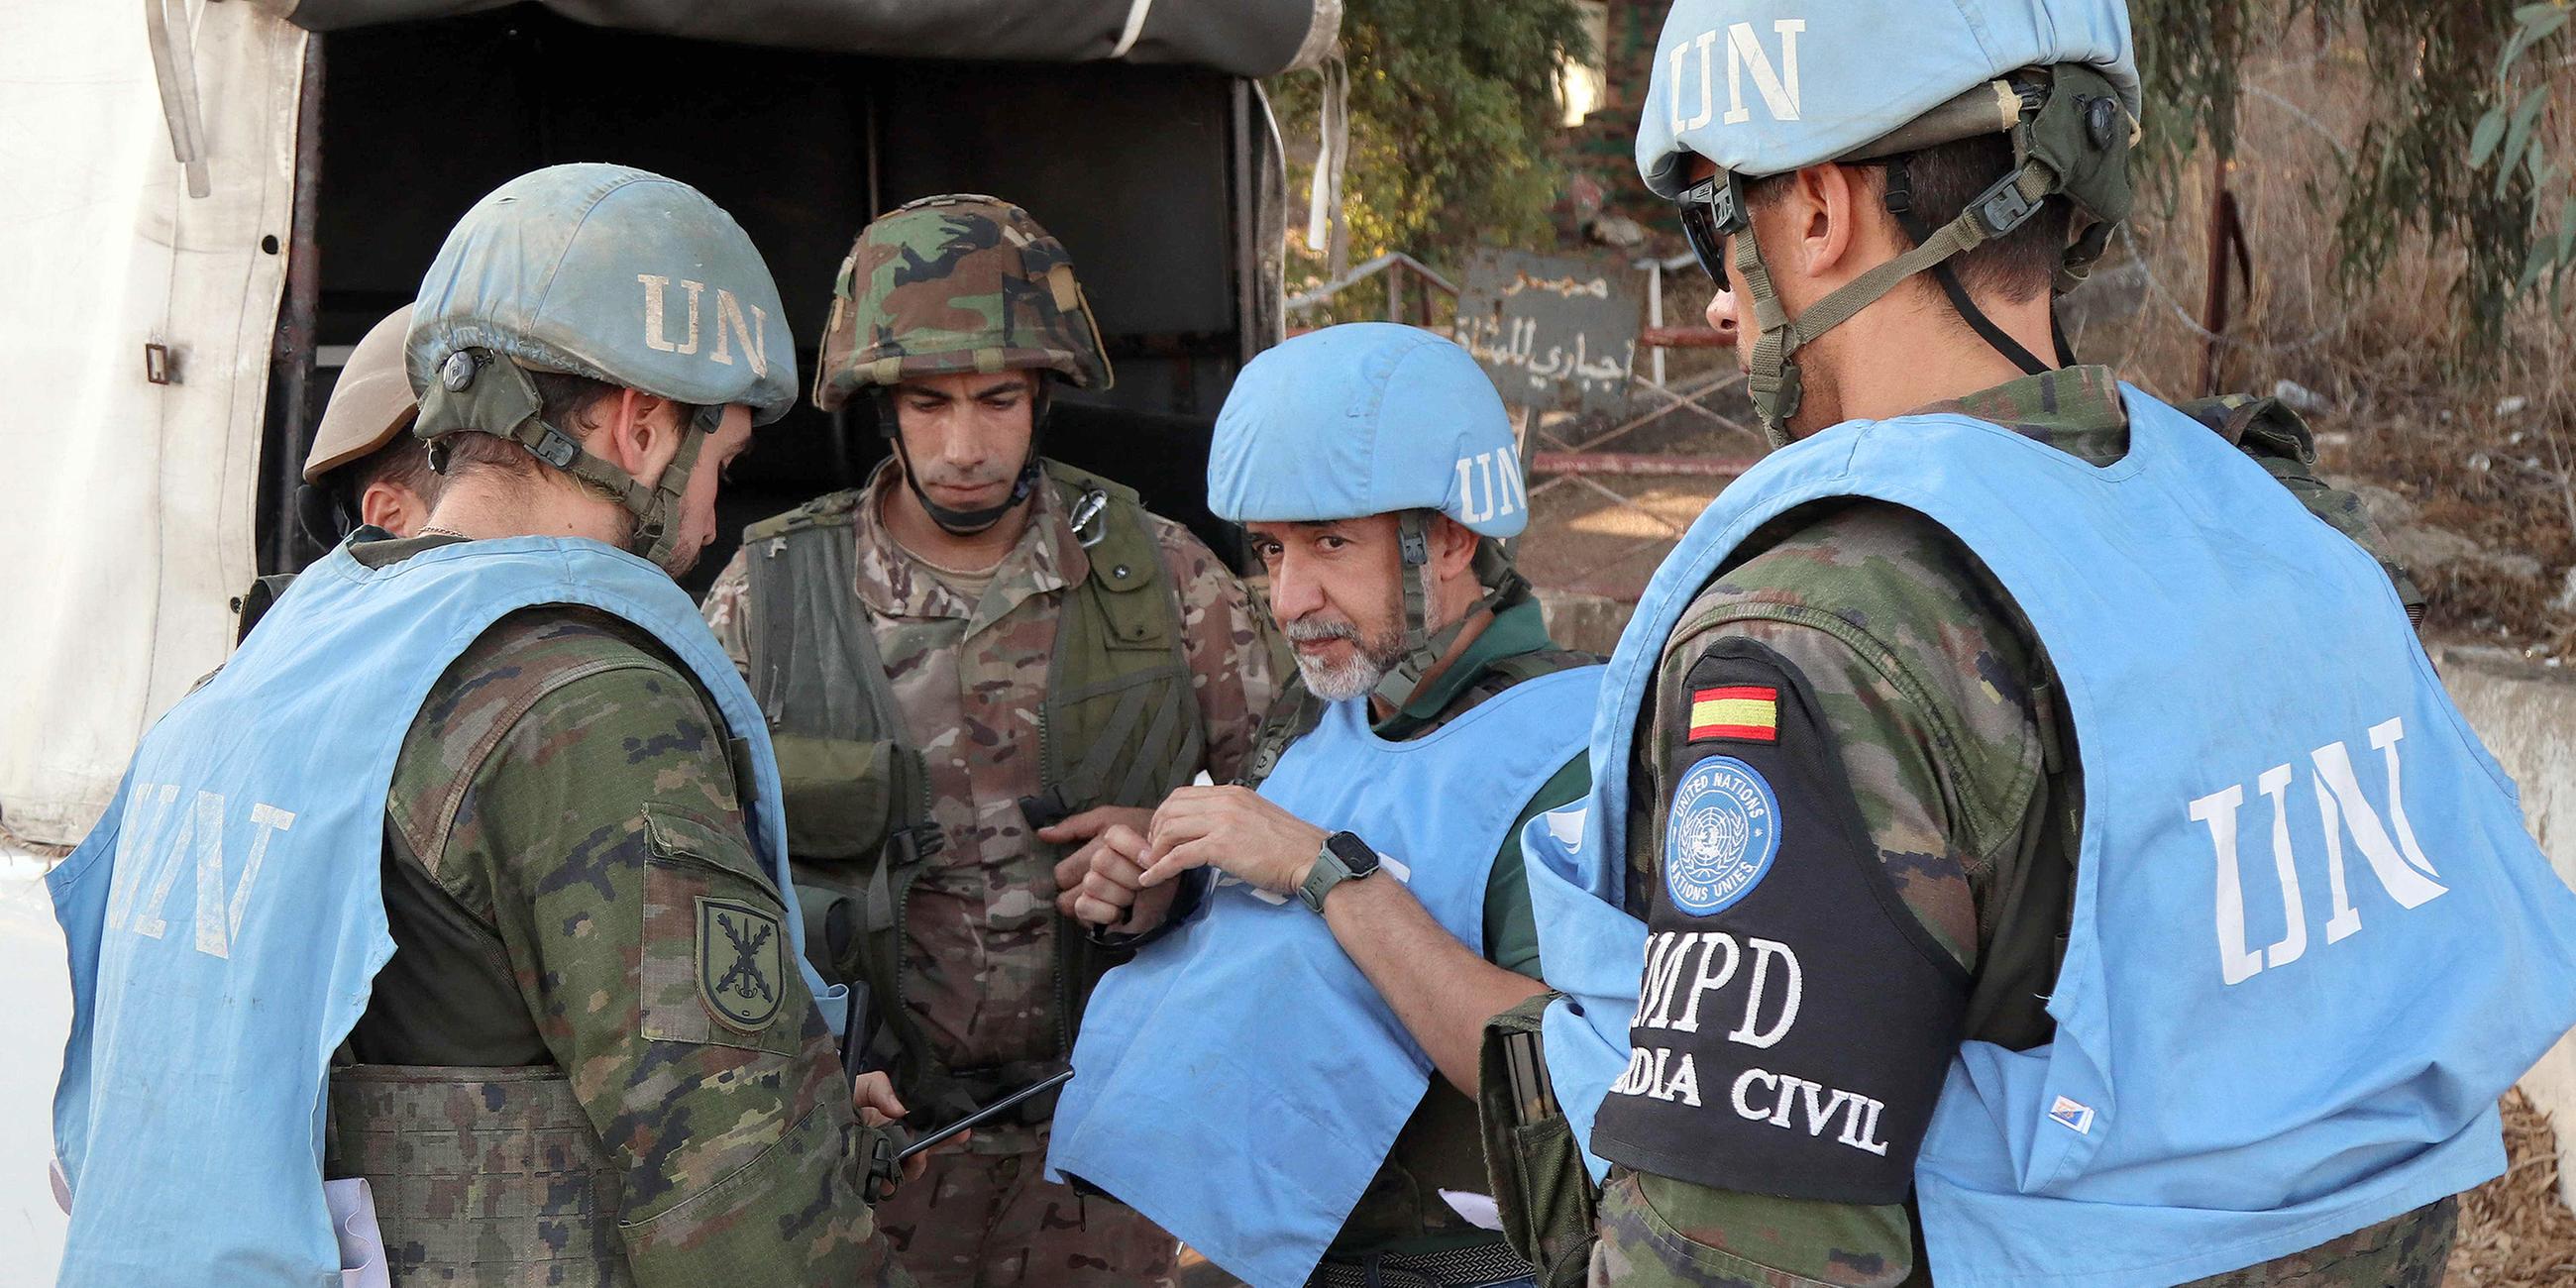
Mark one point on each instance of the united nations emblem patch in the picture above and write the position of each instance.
(1721, 836)
(741, 963)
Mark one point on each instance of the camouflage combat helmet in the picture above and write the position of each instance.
(956, 283)
(951, 284)
(610, 273)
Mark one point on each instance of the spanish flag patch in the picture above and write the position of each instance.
(1744, 713)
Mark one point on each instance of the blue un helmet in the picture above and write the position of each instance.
(610, 273)
(1372, 418)
(1764, 87)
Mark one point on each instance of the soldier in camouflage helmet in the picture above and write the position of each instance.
(573, 1042)
(363, 470)
(1849, 710)
(975, 664)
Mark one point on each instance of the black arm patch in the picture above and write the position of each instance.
(1794, 1020)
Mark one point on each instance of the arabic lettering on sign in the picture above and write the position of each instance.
(1552, 332)
(1598, 288)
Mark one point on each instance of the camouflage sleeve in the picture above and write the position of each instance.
(601, 830)
(1227, 641)
(727, 609)
(1930, 716)
(2281, 443)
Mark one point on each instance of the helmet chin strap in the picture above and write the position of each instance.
(1423, 647)
(477, 391)
(657, 524)
(966, 523)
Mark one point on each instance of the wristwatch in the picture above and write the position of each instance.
(1344, 858)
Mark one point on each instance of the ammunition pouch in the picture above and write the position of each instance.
(481, 1176)
(846, 800)
(1541, 1187)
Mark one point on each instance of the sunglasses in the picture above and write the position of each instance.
(1712, 210)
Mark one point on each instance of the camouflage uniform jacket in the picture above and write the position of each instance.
(979, 972)
(1936, 695)
(563, 798)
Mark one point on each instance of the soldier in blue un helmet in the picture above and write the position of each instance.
(1284, 1075)
(444, 935)
(2026, 845)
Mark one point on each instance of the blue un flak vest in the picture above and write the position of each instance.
(1241, 1080)
(2311, 943)
(225, 919)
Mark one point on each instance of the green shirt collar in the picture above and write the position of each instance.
(2076, 410)
(374, 547)
(1519, 627)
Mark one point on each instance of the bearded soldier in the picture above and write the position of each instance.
(463, 884)
(2026, 845)
(978, 659)
(1315, 1014)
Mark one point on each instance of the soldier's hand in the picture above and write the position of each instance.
(1234, 829)
(1088, 828)
(873, 1094)
(1112, 893)
(1092, 822)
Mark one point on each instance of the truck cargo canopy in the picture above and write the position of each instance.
(1241, 37)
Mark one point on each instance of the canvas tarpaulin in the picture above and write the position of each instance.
(125, 505)
(1243, 37)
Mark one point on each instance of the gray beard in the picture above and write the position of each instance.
(1355, 678)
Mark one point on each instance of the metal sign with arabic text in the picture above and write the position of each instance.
(1553, 332)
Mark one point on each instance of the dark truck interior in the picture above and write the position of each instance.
(1148, 175)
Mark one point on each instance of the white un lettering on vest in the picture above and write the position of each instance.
(196, 855)
(1794, 1021)
(2386, 844)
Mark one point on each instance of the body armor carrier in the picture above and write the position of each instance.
(1120, 726)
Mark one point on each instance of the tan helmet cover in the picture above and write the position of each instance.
(371, 404)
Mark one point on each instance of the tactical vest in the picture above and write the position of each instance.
(1120, 726)
(1248, 1047)
(2170, 1130)
(1449, 1151)
(494, 1169)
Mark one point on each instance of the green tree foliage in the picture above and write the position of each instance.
(2508, 139)
(1453, 111)
(2417, 170)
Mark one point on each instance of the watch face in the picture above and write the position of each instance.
(1354, 853)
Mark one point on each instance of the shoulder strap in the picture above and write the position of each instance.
(1293, 715)
(255, 602)
(830, 510)
(1111, 523)
(1521, 668)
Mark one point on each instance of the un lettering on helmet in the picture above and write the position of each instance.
(1775, 83)
(734, 320)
